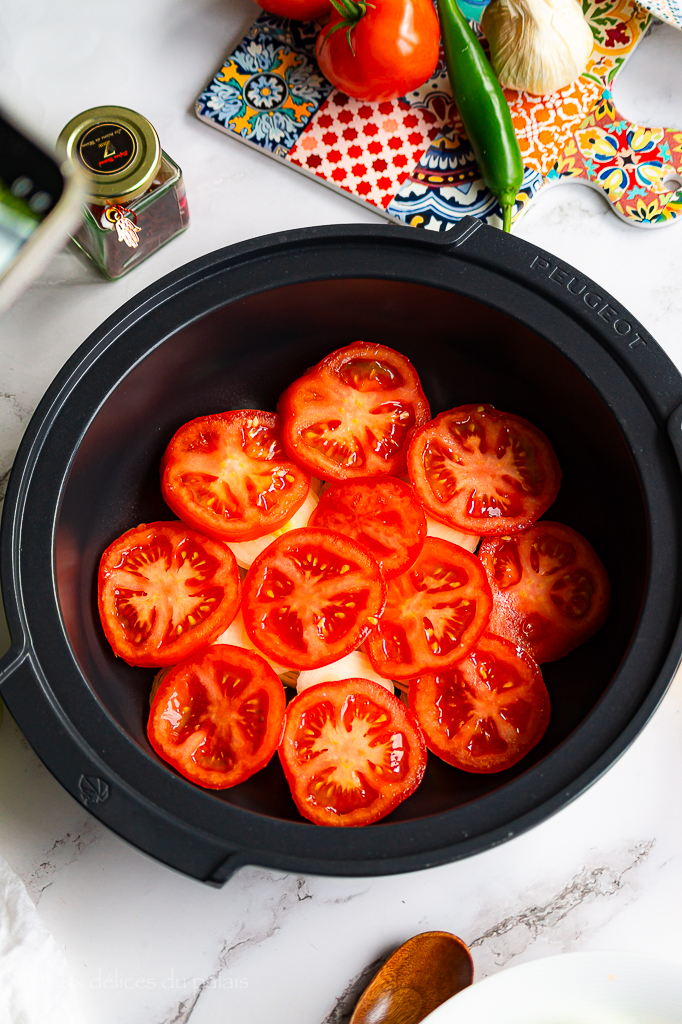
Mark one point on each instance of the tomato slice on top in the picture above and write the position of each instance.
(380, 512)
(485, 713)
(311, 597)
(217, 716)
(351, 752)
(435, 612)
(550, 590)
(229, 476)
(483, 471)
(165, 591)
(353, 414)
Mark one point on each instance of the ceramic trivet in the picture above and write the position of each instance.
(410, 160)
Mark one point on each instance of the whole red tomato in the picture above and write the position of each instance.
(379, 53)
(299, 10)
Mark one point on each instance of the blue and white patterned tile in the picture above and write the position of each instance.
(269, 87)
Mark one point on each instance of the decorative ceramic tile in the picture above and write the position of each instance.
(437, 199)
(365, 149)
(410, 159)
(633, 165)
(617, 27)
(544, 124)
(270, 86)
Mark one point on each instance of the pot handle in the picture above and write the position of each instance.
(22, 688)
(10, 662)
(456, 236)
(92, 784)
(10, 654)
(675, 432)
(233, 862)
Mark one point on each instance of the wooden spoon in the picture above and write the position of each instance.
(421, 974)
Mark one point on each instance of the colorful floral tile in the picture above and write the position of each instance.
(410, 159)
(639, 169)
(269, 87)
(617, 27)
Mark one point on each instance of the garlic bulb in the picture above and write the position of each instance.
(537, 46)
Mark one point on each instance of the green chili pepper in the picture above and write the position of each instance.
(482, 107)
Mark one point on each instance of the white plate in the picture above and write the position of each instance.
(576, 988)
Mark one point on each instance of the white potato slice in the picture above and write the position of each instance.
(465, 540)
(245, 551)
(355, 665)
(236, 636)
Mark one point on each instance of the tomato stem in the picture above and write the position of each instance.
(352, 12)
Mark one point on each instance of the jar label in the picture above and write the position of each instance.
(107, 148)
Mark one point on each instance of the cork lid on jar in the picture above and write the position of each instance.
(117, 148)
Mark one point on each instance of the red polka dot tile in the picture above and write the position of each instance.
(365, 149)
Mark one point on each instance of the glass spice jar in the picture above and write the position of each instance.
(136, 201)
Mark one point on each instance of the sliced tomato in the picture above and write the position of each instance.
(228, 475)
(164, 592)
(311, 597)
(351, 752)
(353, 414)
(435, 613)
(380, 512)
(485, 713)
(550, 590)
(217, 716)
(483, 471)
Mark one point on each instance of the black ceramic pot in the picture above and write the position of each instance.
(484, 317)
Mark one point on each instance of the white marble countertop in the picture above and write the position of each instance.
(145, 945)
